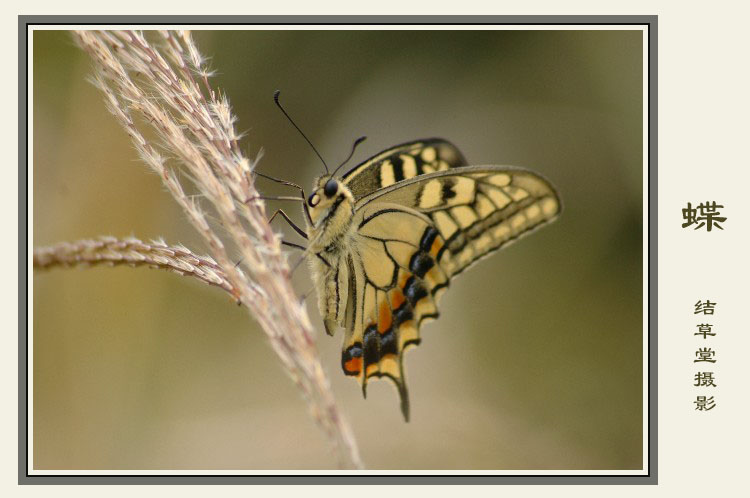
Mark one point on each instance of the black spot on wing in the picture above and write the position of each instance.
(388, 344)
(371, 341)
(420, 264)
(428, 238)
(403, 313)
(448, 192)
(398, 167)
(418, 162)
(414, 290)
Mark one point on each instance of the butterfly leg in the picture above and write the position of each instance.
(289, 221)
(293, 185)
(292, 244)
(284, 242)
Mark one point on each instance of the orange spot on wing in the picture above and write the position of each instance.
(385, 319)
(437, 244)
(354, 366)
(397, 298)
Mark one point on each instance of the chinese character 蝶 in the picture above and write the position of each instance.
(704, 404)
(706, 308)
(704, 379)
(705, 354)
(706, 215)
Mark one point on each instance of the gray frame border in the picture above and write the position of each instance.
(24, 478)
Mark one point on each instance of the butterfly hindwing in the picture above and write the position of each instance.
(413, 236)
(401, 278)
(402, 162)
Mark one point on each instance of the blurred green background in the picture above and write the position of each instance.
(536, 360)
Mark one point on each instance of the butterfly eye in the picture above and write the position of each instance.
(313, 200)
(331, 188)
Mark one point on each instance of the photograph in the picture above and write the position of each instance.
(310, 249)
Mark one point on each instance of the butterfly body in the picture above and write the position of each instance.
(330, 233)
(387, 237)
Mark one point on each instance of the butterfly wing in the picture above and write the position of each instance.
(476, 209)
(394, 289)
(412, 237)
(402, 162)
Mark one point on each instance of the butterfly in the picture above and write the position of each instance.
(386, 238)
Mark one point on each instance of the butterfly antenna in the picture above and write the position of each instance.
(276, 99)
(356, 143)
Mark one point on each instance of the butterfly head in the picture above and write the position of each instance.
(330, 201)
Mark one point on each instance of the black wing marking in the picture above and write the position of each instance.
(402, 162)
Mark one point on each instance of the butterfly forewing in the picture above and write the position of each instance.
(402, 162)
(476, 209)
